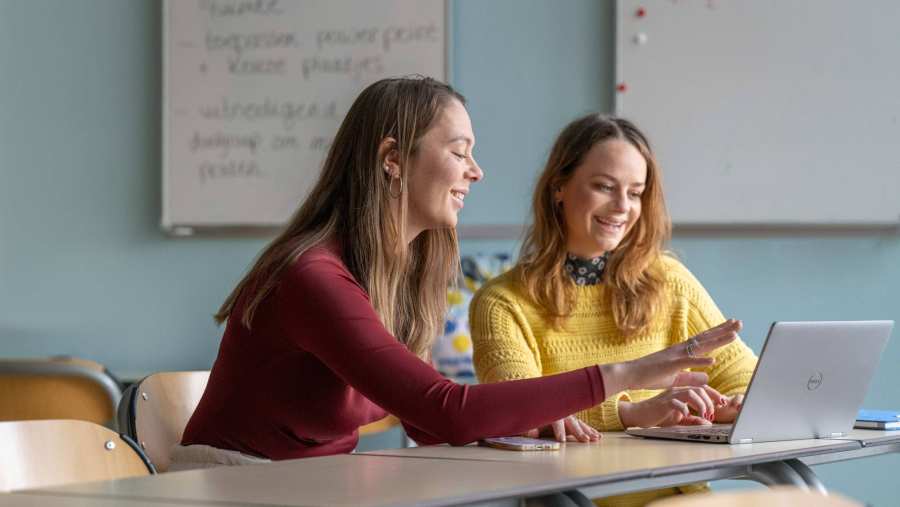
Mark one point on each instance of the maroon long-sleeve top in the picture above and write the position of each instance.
(318, 364)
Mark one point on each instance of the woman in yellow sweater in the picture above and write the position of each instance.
(594, 285)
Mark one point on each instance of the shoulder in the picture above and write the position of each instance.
(501, 289)
(319, 268)
(678, 278)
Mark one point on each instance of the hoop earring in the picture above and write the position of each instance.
(391, 188)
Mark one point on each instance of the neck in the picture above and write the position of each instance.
(411, 229)
(584, 253)
(585, 271)
(412, 233)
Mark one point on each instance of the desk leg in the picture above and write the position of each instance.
(808, 475)
(776, 473)
(509, 502)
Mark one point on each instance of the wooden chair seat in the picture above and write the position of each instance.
(45, 453)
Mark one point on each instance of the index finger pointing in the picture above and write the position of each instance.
(729, 326)
(709, 344)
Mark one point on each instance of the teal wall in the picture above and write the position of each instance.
(84, 269)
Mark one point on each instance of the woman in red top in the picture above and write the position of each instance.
(331, 327)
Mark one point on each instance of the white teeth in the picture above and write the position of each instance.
(617, 225)
(458, 195)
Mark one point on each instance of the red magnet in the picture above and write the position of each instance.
(621, 87)
(641, 12)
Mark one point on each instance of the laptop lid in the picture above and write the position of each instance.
(810, 380)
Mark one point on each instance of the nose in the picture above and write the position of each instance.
(474, 173)
(621, 201)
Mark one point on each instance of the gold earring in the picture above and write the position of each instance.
(391, 188)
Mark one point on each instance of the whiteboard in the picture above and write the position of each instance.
(767, 111)
(254, 91)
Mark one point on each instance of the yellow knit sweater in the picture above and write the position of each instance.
(513, 339)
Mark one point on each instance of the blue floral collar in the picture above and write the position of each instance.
(586, 271)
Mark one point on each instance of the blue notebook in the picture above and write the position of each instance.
(877, 419)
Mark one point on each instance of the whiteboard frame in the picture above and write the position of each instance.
(777, 224)
(165, 221)
(186, 229)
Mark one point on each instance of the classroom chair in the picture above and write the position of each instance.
(776, 496)
(155, 411)
(382, 434)
(388, 423)
(46, 453)
(57, 388)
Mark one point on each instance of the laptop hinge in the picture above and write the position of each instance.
(837, 434)
(745, 441)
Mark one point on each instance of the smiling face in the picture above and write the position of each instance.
(441, 171)
(601, 201)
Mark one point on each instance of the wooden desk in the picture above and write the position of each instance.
(872, 443)
(621, 463)
(869, 438)
(27, 500)
(441, 475)
(359, 480)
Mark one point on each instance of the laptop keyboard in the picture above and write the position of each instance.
(714, 429)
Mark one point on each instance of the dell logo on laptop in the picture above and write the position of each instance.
(814, 381)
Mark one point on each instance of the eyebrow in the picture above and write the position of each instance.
(466, 139)
(603, 175)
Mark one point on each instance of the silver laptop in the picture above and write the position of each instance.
(809, 382)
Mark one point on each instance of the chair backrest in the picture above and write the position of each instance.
(155, 411)
(777, 496)
(45, 453)
(388, 423)
(57, 388)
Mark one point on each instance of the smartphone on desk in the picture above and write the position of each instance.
(520, 444)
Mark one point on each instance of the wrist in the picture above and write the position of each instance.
(616, 377)
(626, 412)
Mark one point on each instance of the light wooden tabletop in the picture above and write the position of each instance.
(874, 437)
(32, 500)
(442, 475)
(359, 480)
(618, 455)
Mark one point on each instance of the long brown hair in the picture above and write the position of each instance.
(631, 274)
(351, 202)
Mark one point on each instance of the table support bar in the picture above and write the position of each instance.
(792, 472)
(776, 473)
(811, 479)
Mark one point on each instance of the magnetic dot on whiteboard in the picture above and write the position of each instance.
(640, 38)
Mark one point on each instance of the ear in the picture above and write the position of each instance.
(557, 195)
(389, 156)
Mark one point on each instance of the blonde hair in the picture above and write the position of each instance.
(632, 272)
(351, 202)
